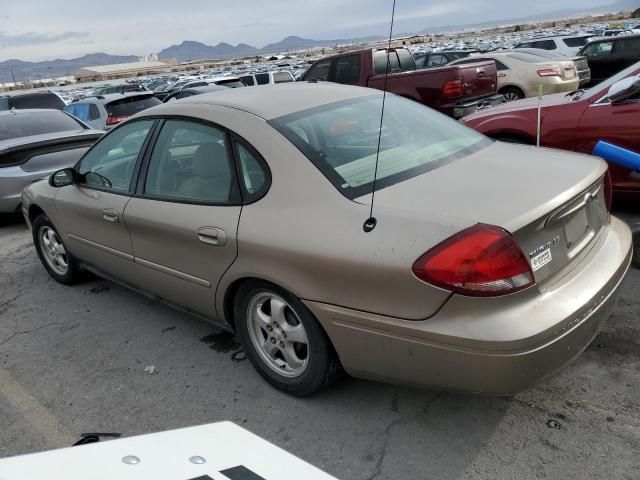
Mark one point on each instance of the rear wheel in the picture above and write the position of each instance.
(511, 94)
(283, 340)
(53, 254)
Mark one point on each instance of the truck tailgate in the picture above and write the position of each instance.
(479, 79)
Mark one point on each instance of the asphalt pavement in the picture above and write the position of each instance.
(77, 359)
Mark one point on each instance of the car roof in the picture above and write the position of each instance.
(272, 101)
(112, 97)
(28, 111)
(552, 37)
(609, 39)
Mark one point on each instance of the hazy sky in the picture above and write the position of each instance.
(47, 29)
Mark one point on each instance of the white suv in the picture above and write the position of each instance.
(267, 78)
(568, 45)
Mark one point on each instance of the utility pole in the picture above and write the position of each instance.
(15, 84)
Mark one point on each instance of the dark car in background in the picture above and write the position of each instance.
(34, 144)
(106, 111)
(25, 101)
(190, 92)
(122, 89)
(608, 56)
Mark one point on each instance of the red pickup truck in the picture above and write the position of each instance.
(453, 90)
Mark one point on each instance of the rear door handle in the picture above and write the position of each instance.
(212, 236)
(110, 215)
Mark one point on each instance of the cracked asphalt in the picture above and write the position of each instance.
(73, 359)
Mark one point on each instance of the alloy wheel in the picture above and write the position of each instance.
(53, 250)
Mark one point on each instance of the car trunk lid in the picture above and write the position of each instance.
(552, 202)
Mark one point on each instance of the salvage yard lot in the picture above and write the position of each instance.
(73, 360)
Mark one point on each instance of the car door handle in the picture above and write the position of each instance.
(110, 215)
(212, 236)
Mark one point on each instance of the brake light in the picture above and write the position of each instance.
(453, 88)
(116, 120)
(608, 190)
(550, 72)
(481, 261)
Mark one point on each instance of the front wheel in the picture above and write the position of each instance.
(53, 254)
(283, 340)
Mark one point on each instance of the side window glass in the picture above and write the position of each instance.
(320, 71)
(247, 80)
(94, 113)
(190, 163)
(111, 162)
(254, 174)
(437, 60)
(598, 48)
(380, 62)
(348, 70)
(501, 66)
(262, 78)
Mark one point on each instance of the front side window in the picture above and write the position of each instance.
(598, 48)
(341, 139)
(111, 162)
(628, 46)
(319, 71)
(190, 162)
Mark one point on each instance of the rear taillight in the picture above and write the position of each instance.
(453, 88)
(550, 72)
(481, 261)
(608, 190)
(116, 120)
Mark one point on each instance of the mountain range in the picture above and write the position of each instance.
(192, 50)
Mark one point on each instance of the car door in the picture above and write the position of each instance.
(616, 124)
(626, 52)
(184, 217)
(92, 210)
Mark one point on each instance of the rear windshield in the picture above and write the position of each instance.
(37, 123)
(34, 100)
(341, 140)
(130, 106)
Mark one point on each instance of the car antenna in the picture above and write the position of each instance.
(371, 222)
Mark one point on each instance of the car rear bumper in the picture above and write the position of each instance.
(474, 350)
(463, 108)
(12, 181)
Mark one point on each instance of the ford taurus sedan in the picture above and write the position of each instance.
(489, 265)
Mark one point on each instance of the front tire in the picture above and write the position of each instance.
(283, 340)
(54, 256)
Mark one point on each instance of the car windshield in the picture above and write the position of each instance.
(341, 139)
(15, 125)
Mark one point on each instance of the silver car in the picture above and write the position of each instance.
(104, 112)
(485, 267)
(34, 144)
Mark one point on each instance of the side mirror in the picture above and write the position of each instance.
(62, 178)
(623, 90)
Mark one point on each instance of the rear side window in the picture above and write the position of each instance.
(575, 41)
(40, 123)
(247, 80)
(380, 62)
(544, 45)
(348, 70)
(437, 60)
(406, 60)
(319, 71)
(130, 106)
(94, 113)
(282, 77)
(79, 110)
(628, 46)
(262, 78)
(598, 48)
(38, 100)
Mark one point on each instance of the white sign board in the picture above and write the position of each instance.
(220, 451)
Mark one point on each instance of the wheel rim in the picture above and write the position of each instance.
(53, 250)
(511, 96)
(277, 334)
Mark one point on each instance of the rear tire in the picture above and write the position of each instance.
(54, 256)
(512, 94)
(283, 340)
